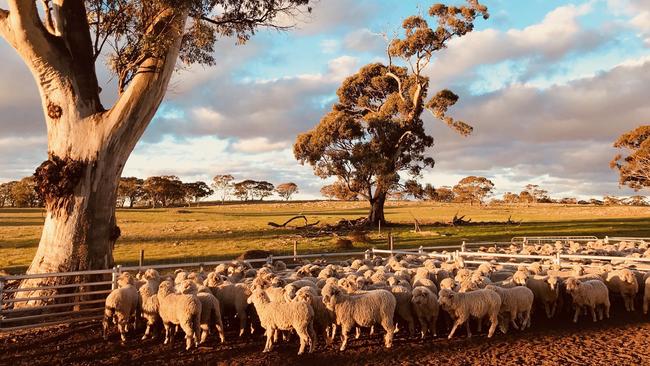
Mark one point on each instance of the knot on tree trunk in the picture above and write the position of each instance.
(54, 111)
(116, 232)
(56, 179)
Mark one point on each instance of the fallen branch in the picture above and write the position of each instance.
(273, 224)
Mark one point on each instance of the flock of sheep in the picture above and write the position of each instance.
(398, 293)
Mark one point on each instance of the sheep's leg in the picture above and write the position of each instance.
(205, 331)
(345, 329)
(303, 335)
(457, 323)
(389, 327)
(334, 327)
(120, 327)
(434, 323)
(494, 321)
(269, 340)
(105, 324)
(553, 309)
(241, 314)
(576, 314)
(220, 331)
(526, 321)
(513, 317)
(593, 313)
(167, 332)
(312, 337)
(190, 334)
(424, 326)
(632, 303)
(600, 312)
(358, 333)
(607, 305)
(468, 328)
(479, 328)
(646, 304)
(547, 307)
(372, 329)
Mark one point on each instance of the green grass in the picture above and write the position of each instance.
(221, 232)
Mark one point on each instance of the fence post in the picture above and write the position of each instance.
(390, 243)
(462, 246)
(269, 259)
(141, 258)
(295, 250)
(606, 239)
(558, 258)
(114, 275)
(420, 249)
(2, 287)
(366, 255)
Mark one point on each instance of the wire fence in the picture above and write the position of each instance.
(80, 296)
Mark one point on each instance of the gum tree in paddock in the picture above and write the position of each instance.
(634, 167)
(375, 130)
(88, 143)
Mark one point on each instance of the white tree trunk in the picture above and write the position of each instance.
(87, 145)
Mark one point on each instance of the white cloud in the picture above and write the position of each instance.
(257, 145)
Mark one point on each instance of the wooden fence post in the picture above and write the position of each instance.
(295, 250)
(141, 262)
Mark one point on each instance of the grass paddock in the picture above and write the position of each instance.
(222, 232)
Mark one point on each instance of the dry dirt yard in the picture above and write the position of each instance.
(622, 340)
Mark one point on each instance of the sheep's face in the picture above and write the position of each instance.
(258, 296)
(572, 284)
(552, 282)
(165, 288)
(290, 292)
(303, 294)
(125, 279)
(180, 277)
(277, 282)
(520, 278)
(447, 284)
(330, 296)
(188, 287)
(446, 298)
(421, 296)
(151, 274)
(279, 266)
(628, 276)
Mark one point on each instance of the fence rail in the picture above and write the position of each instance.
(83, 300)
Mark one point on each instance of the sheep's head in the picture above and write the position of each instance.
(165, 288)
(180, 276)
(348, 284)
(520, 278)
(421, 295)
(485, 268)
(447, 284)
(213, 280)
(467, 286)
(303, 294)
(277, 282)
(151, 274)
(188, 287)
(552, 282)
(279, 266)
(331, 295)
(258, 296)
(628, 276)
(260, 283)
(125, 279)
(356, 264)
(446, 298)
(290, 292)
(572, 284)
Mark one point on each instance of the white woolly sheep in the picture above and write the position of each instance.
(426, 308)
(403, 308)
(365, 310)
(179, 309)
(121, 305)
(516, 302)
(232, 298)
(275, 316)
(590, 294)
(149, 299)
(545, 289)
(324, 319)
(210, 310)
(478, 304)
(623, 282)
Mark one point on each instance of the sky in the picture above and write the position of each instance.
(548, 86)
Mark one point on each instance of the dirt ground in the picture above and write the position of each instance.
(622, 340)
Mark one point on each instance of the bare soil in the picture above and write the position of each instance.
(622, 340)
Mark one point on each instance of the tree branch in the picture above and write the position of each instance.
(5, 28)
(135, 108)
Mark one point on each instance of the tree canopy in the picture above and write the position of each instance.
(375, 131)
(473, 189)
(633, 164)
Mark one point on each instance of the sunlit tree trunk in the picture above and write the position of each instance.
(376, 214)
(87, 145)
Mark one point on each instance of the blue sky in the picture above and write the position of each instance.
(548, 85)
